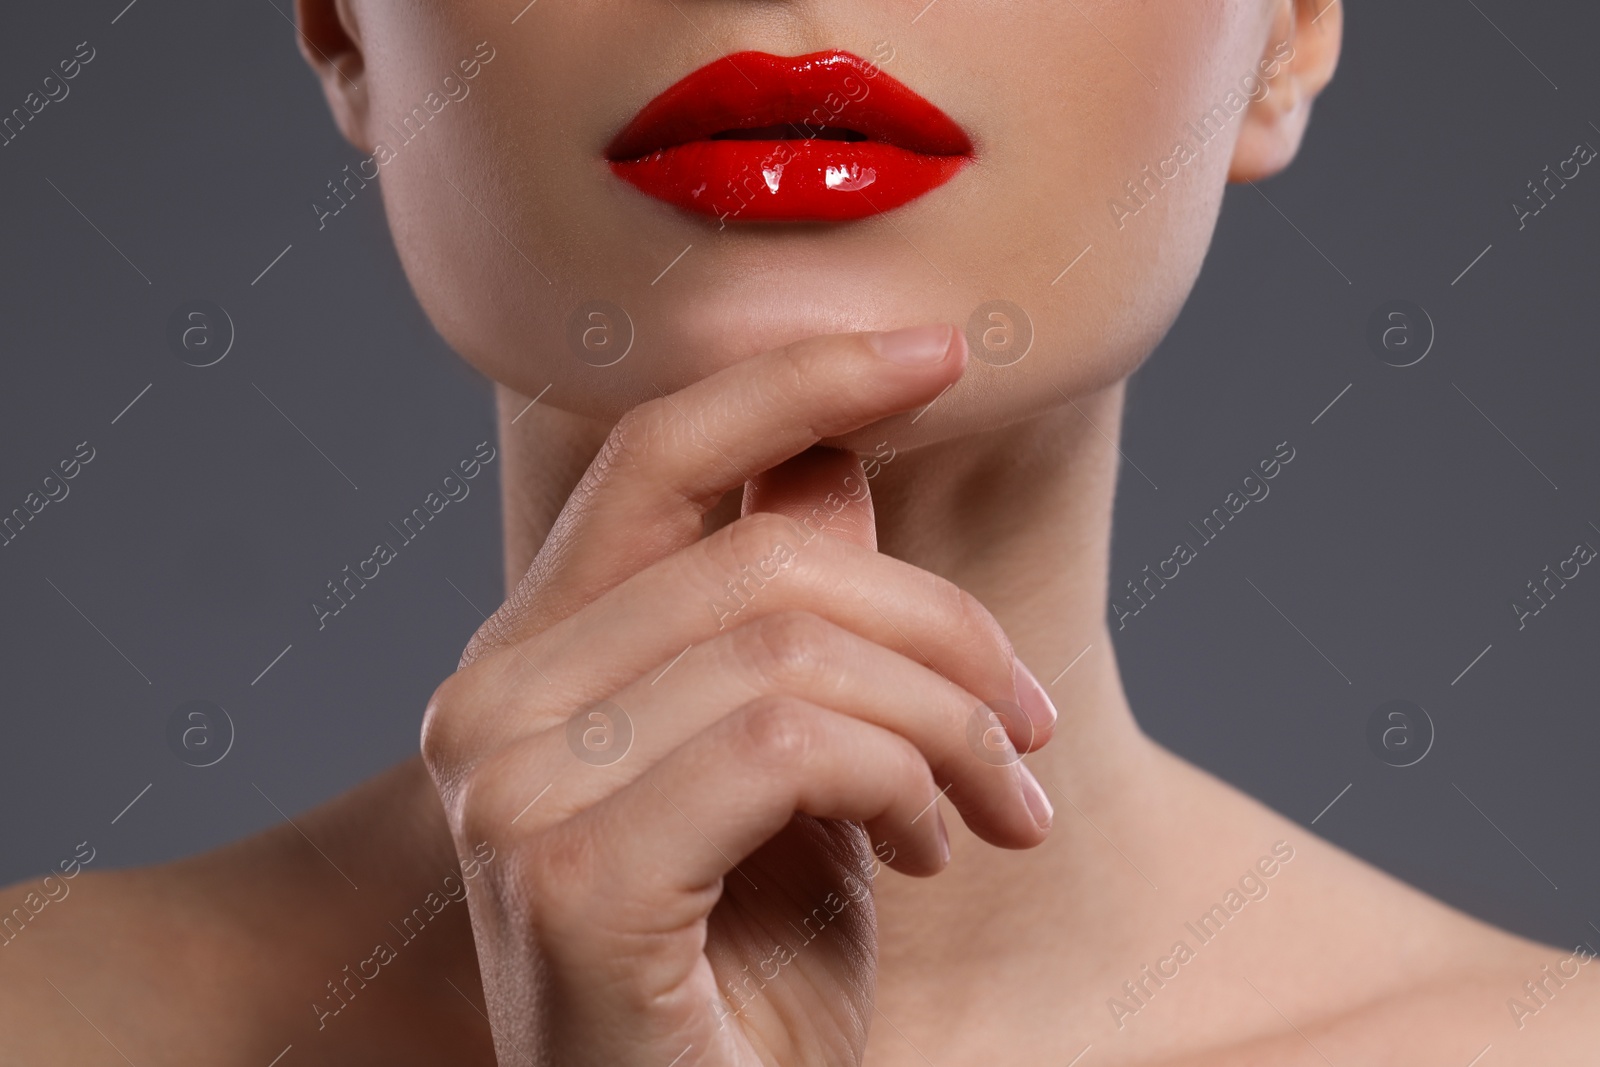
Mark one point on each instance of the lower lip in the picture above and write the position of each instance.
(812, 180)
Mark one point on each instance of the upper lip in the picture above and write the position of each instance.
(789, 98)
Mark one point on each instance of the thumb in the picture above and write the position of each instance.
(824, 489)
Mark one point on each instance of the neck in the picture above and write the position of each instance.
(1021, 518)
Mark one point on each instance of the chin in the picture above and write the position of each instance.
(727, 301)
(749, 304)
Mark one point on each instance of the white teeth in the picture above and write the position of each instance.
(849, 178)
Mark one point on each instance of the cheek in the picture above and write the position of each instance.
(493, 207)
(1092, 220)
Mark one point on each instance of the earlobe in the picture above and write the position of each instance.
(1298, 61)
(330, 41)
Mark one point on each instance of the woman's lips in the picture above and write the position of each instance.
(754, 137)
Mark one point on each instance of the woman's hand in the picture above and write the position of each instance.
(687, 750)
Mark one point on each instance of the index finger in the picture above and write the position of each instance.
(670, 460)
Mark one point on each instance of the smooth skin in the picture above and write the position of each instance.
(618, 890)
(813, 747)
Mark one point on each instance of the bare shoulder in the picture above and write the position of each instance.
(234, 955)
(1539, 1009)
(1353, 966)
(84, 956)
(1470, 992)
(1517, 1004)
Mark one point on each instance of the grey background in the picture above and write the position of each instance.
(1395, 541)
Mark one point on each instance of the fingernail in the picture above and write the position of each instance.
(944, 838)
(1038, 803)
(1032, 698)
(915, 345)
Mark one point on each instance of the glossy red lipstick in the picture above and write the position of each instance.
(754, 137)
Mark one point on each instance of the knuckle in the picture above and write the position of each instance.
(789, 648)
(439, 729)
(553, 870)
(457, 744)
(499, 789)
(755, 536)
(499, 630)
(548, 861)
(813, 365)
(636, 436)
(917, 763)
(777, 732)
(906, 765)
(802, 355)
(749, 552)
(799, 360)
(476, 811)
(971, 617)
